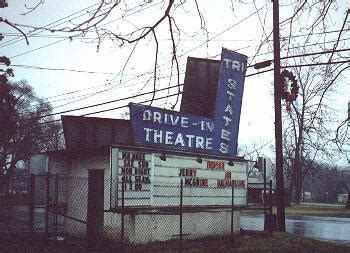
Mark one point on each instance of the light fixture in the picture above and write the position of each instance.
(162, 157)
(199, 160)
(263, 64)
(230, 163)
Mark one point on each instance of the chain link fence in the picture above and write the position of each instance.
(58, 206)
(178, 215)
(144, 214)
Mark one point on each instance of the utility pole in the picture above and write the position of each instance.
(281, 225)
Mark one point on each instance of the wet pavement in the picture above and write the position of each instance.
(331, 229)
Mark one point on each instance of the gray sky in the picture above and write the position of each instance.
(235, 25)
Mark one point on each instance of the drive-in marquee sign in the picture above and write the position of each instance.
(165, 129)
(150, 181)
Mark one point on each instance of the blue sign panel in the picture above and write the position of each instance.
(159, 128)
(228, 101)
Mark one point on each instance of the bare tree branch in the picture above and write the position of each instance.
(15, 27)
(31, 9)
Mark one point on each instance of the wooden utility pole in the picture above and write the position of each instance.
(281, 225)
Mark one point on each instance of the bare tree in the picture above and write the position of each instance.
(309, 125)
(307, 132)
(31, 133)
(135, 35)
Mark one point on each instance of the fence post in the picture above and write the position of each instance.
(56, 206)
(47, 204)
(95, 207)
(122, 212)
(264, 195)
(270, 209)
(31, 202)
(181, 211)
(232, 207)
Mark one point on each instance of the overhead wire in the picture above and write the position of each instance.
(61, 69)
(53, 36)
(217, 35)
(108, 102)
(260, 72)
(340, 50)
(224, 31)
(341, 30)
(81, 33)
(47, 28)
(20, 38)
(115, 108)
(108, 73)
(304, 46)
(151, 92)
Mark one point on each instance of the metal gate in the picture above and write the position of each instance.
(48, 205)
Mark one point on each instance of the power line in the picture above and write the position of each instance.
(108, 102)
(45, 28)
(79, 34)
(225, 30)
(229, 28)
(341, 30)
(84, 96)
(316, 53)
(95, 72)
(115, 108)
(313, 33)
(38, 48)
(261, 147)
(303, 55)
(145, 101)
(151, 92)
(315, 64)
(218, 35)
(304, 46)
(20, 38)
(167, 96)
(300, 65)
(51, 36)
(61, 69)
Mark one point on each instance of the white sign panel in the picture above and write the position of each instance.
(150, 181)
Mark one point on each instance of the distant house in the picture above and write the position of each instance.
(342, 198)
(256, 179)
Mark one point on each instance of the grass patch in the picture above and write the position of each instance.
(321, 211)
(279, 243)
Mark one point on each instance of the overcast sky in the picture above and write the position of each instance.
(93, 75)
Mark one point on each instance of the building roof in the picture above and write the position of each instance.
(90, 133)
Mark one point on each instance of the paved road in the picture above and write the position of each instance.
(330, 229)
